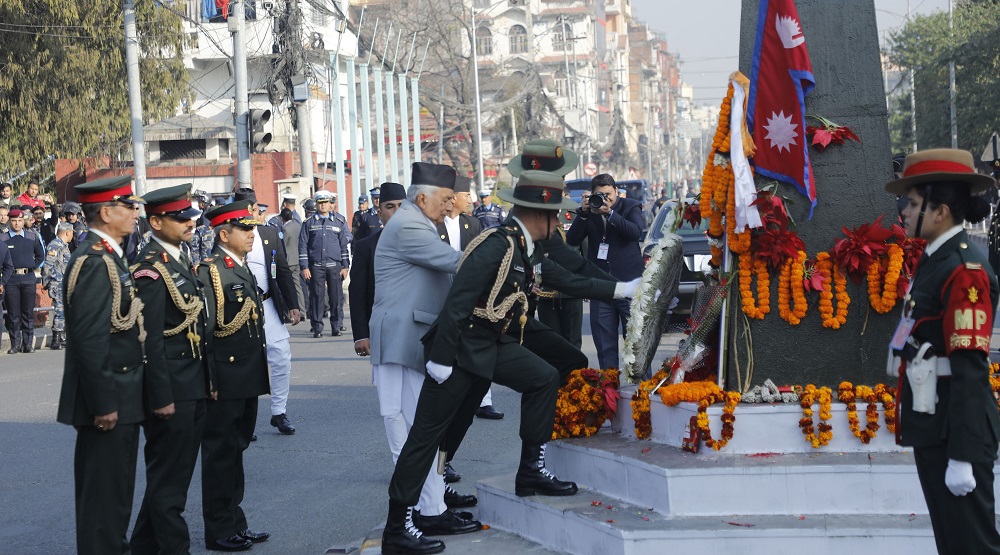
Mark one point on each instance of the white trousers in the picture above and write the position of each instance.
(279, 359)
(398, 390)
(488, 398)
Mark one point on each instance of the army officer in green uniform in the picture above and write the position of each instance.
(238, 366)
(102, 379)
(467, 348)
(177, 380)
(948, 413)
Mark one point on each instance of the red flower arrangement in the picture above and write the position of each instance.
(829, 133)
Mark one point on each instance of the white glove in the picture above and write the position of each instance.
(959, 478)
(626, 289)
(439, 372)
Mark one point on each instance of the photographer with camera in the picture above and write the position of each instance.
(612, 226)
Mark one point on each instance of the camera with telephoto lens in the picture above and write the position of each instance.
(598, 200)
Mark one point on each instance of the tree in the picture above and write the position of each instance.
(63, 87)
(927, 45)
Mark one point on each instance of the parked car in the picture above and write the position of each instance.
(697, 255)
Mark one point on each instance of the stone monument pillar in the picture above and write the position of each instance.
(842, 39)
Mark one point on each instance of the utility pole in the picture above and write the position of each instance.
(244, 171)
(479, 115)
(134, 98)
(913, 93)
(952, 93)
(440, 149)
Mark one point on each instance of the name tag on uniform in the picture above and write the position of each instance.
(337, 229)
(602, 251)
(902, 332)
(180, 282)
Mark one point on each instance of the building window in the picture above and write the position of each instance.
(192, 149)
(562, 36)
(484, 41)
(518, 40)
(561, 83)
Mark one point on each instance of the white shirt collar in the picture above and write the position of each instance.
(942, 239)
(529, 244)
(171, 250)
(115, 246)
(237, 259)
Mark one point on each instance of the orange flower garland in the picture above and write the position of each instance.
(885, 395)
(688, 392)
(732, 398)
(848, 394)
(581, 407)
(834, 280)
(885, 300)
(640, 405)
(792, 303)
(762, 306)
(825, 397)
(717, 180)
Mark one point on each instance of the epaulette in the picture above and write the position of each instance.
(97, 247)
(165, 257)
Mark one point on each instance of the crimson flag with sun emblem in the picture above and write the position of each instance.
(780, 78)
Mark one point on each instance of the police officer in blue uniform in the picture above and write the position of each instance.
(324, 259)
(488, 214)
(27, 254)
(367, 222)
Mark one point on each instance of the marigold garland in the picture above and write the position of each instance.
(848, 394)
(834, 280)
(888, 398)
(717, 179)
(581, 407)
(754, 309)
(825, 398)
(640, 405)
(792, 303)
(883, 301)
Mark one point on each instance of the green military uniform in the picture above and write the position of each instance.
(103, 374)
(966, 423)
(480, 352)
(176, 373)
(562, 313)
(238, 366)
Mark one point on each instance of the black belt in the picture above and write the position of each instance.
(500, 326)
(22, 271)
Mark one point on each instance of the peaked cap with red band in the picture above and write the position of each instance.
(940, 165)
(109, 189)
(544, 155)
(236, 213)
(171, 201)
(539, 190)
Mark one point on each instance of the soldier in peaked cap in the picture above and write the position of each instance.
(468, 347)
(102, 386)
(947, 410)
(238, 366)
(177, 380)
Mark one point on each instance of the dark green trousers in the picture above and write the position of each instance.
(104, 473)
(565, 317)
(459, 397)
(962, 525)
(171, 453)
(229, 425)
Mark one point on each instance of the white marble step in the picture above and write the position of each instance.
(681, 484)
(598, 524)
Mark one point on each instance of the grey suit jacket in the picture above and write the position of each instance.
(413, 273)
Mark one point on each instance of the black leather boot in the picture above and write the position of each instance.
(15, 343)
(57, 341)
(532, 477)
(28, 341)
(402, 537)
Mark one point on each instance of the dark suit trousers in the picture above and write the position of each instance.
(20, 293)
(457, 399)
(171, 452)
(565, 316)
(229, 425)
(326, 283)
(962, 525)
(607, 322)
(104, 473)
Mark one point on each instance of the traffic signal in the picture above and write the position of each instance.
(259, 138)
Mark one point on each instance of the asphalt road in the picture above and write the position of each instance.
(323, 487)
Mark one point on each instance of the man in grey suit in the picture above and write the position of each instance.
(413, 273)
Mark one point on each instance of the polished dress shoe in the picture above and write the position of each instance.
(455, 500)
(282, 424)
(254, 537)
(532, 476)
(446, 524)
(27, 343)
(232, 543)
(317, 334)
(489, 413)
(401, 535)
(450, 475)
(335, 333)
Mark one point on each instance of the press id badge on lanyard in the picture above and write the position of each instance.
(602, 251)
